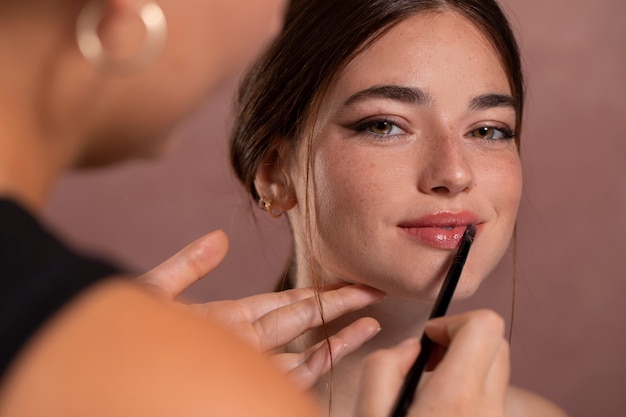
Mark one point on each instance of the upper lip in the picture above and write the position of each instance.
(443, 219)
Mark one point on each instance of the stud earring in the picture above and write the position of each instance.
(267, 206)
(91, 48)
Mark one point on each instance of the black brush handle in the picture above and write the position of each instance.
(407, 393)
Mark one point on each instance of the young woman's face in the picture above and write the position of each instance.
(414, 141)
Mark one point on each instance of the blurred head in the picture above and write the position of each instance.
(116, 113)
(383, 128)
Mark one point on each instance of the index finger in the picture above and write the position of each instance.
(287, 320)
(186, 267)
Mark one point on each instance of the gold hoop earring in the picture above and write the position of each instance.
(91, 48)
(267, 206)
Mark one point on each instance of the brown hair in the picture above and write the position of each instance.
(278, 97)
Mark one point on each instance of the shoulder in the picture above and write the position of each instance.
(117, 350)
(524, 403)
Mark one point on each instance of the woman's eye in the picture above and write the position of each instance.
(383, 128)
(492, 133)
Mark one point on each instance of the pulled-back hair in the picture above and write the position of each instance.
(279, 96)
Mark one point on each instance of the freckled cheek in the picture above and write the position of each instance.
(346, 186)
(507, 187)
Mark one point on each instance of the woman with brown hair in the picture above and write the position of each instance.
(383, 129)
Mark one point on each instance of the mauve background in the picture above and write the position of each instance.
(569, 337)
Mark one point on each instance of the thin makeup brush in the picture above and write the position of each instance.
(439, 309)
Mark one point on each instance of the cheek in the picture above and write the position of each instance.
(345, 213)
(352, 191)
(351, 182)
(504, 191)
(210, 42)
(508, 183)
(245, 28)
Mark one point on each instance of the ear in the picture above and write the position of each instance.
(273, 183)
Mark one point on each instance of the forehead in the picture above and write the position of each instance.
(435, 51)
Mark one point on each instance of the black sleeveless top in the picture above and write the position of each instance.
(38, 275)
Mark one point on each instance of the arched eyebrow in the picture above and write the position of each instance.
(409, 95)
(414, 95)
(488, 101)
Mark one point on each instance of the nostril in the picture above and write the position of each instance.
(440, 190)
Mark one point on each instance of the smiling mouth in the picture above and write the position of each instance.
(442, 229)
(445, 237)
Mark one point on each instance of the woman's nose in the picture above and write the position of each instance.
(446, 168)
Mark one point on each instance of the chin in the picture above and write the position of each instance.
(429, 291)
(465, 291)
(106, 161)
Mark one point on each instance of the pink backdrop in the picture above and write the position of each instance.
(569, 336)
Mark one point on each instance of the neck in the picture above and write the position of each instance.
(399, 320)
(27, 171)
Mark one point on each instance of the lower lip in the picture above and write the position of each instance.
(437, 237)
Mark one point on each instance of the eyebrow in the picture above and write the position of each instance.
(410, 95)
(414, 95)
(487, 101)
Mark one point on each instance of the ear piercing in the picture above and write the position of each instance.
(266, 204)
(91, 47)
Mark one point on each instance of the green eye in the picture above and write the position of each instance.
(380, 128)
(383, 128)
(492, 133)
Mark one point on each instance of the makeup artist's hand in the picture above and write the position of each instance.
(471, 379)
(270, 321)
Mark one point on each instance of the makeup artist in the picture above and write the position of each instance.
(87, 84)
(381, 130)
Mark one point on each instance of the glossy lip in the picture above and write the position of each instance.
(441, 230)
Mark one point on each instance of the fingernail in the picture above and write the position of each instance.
(430, 324)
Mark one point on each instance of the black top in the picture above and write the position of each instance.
(38, 275)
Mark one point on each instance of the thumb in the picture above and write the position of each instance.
(187, 266)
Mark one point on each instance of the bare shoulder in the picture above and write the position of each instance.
(117, 350)
(521, 402)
